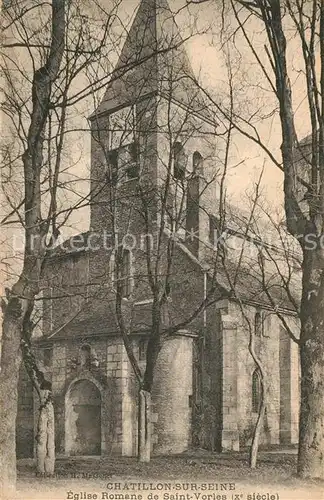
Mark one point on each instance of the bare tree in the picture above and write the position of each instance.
(260, 373)
(57, 40)
(62, 43)
(130, 198)
(139, 200)
(157, 211)
(303, 186)
(21, 296)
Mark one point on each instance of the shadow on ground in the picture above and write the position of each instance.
(275, 474)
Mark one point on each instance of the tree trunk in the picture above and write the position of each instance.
(256, 436)
(45, 439)
(9, 375)
(311, 423)
(19, 307)
(144, 426)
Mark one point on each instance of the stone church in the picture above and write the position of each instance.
(152, 121)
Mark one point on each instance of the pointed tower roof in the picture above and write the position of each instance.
(153, 59)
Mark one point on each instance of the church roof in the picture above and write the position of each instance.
(153, 60)
(100, 321)
(251, 287)
(238, 281)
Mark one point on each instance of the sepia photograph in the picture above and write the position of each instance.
(162, 250)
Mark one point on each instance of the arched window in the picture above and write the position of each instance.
(256, 391)
(197, 163)
(258, 324)
(121, 271)
(85, 356)
(165, 310)
(112, 269)
(128, 161)
(142, 346)
(214, 232)
(132, 170)
(125, 273)
(111, 167)
(179, 161)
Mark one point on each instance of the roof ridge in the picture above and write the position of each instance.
(153, 59)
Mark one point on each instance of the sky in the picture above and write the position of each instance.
(208, 62)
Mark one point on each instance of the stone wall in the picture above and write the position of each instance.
(279, 369)
(172, 395)
(208, 376)
(226, 414)
(202, 393)
(59, 376)
(110, 376)
(289, 388)
(230, 380)
(115, 390)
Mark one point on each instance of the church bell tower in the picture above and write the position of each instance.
(149, 133)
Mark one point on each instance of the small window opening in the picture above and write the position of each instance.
(197, 163)
(258, 324)
(256, 391)
(142, 350)
(112, 167)
(124, 266)
(179, 159)
(213, 230)
(132, 170)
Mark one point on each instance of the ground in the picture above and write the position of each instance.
(194, 475)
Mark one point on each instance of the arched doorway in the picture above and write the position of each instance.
(83, 419)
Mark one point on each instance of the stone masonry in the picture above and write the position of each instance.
(205, 391)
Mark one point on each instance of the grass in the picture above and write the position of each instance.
(275, 471)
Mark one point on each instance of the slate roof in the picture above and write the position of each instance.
(99, 319)
(249, 287)
(154, 59)
(101, 322)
